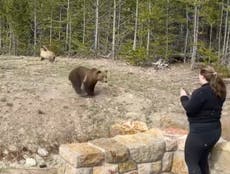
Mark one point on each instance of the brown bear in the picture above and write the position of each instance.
(45, 53)
(84, 79)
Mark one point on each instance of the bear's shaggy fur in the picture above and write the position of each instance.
(45, 53)
(83, 78)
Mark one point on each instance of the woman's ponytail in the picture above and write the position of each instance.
(215, 81)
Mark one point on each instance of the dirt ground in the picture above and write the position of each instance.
(39, 108)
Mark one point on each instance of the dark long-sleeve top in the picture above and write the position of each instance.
(203, 106)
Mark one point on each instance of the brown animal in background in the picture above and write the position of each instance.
(45, 53)
(84, 79)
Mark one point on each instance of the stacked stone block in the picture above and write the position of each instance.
(141, 153)
(149, 152)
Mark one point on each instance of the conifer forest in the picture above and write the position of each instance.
(135, 30)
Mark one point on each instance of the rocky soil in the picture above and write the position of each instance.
(39, 109)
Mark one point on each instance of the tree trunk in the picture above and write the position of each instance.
(140, 39)
(108, 33)
(96, 28)
(60, 26)
(149, 30)
(67, 27)
(35, 27)
(10, 40)
(51, 26)
(70, 36)
(0, 35)
(220, 30)
(225, 30)
(167, 30)
(187, 33)
(210, 40)
(224, 61)
(14, 44)
(135, 28)
(114, 29)
(84, 23)
(148, 42)
(210, 37)
(118, 26)
(195, 36)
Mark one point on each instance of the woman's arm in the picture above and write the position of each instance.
(194, 103)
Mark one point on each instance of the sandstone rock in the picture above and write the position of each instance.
(179, 166)
(149, 168)
(167, 161)
(129, 127)
(181, 142)
(225, 121)
(178, 120)
(132, 172)
(81, 154)
(171, 144)
(28, 171)
(143, 147)
(175, 131)
(106, 169)
(68, 169)
(114, 151)
(127, 166)
(220, 157)
(155, 133)
(213, 171)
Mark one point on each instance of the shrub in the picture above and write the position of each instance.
(134, 57)
(206, 55)
(223, 70)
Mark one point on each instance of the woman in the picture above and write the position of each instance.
(203, 109)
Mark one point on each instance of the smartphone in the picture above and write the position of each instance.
(186, 91)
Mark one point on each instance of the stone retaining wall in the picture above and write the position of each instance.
(150, 152)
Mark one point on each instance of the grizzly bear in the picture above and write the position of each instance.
(84, 79)
(45, 53)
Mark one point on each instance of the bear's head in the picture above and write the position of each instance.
(102, 76)
(95, 75)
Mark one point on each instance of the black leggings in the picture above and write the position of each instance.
(198, 145)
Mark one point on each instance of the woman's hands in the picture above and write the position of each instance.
(183, 92)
